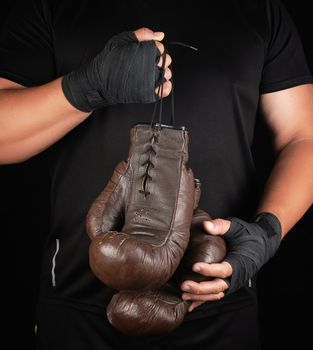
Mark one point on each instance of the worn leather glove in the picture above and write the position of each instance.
(153, 194)
(161, 311)
(125, 71)
(249, 246)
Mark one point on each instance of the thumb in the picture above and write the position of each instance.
(144, 34)
(216, 226)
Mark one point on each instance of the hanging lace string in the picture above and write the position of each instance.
(159, 102)
(156, 127)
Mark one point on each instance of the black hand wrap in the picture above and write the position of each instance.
(249, 246)
(125, 71)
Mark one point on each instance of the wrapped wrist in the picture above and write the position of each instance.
(250, 245)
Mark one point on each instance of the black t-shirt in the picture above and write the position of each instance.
(245, 48)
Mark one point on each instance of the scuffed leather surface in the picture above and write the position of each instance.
(107, 211)
(148, 312)
(161, 311)
(145, 253)
(202, 247)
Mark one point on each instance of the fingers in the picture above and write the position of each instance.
(167, 87)
(167, 74)
(207, 290)
(221, 270)
(216, 226)
(168, 61)
(203, 290)
(203, 297)
(160, 46)
(144, 34)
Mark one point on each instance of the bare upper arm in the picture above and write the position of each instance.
(9, 84)
(289, 114)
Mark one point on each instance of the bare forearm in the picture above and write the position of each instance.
(289, 190)
(32, 119)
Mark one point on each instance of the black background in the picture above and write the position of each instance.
(284, 293)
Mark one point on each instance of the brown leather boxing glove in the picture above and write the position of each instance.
(152, 192)
(161, 311)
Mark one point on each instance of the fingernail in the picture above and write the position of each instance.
(158, 36)
(210, 224)
(185, 297)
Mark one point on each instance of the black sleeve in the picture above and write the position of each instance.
(26, 45)
(285, 64)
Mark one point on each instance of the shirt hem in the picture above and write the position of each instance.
(286, 84)
(17, 79)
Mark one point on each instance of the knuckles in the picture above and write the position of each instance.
(143, 33)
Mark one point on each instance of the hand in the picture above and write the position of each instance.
(249, 246)
(127, 70)
(215, 288)
(144, 34)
